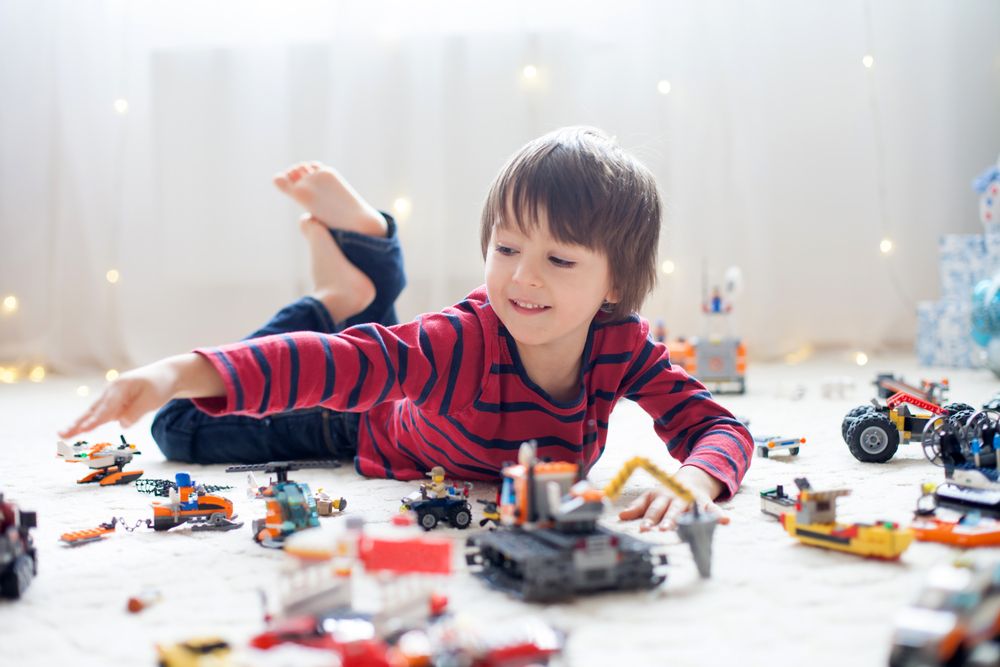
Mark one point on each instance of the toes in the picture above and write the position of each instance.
(296, 174)
(282, 182)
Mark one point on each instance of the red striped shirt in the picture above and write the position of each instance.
(449, 389)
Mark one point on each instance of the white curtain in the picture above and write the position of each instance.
(776, 150)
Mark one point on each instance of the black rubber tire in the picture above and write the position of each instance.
(762, 451)
(873, 438)
(794, 451)
(15, 580)
(427, 520)
(851, 416)
(461, 518)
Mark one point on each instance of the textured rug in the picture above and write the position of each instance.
(770, 599)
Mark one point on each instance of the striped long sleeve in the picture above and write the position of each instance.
(697, 430)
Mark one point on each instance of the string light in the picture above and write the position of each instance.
(37, 374)
(799, 355)
(8, 375)
(9, 305)
(667, 267)
(861, 359)
(111, 375)
(402, 207)
(529, 72)
(663, 87)
(83, 390)
(868, 61)
(121, 105)
(885, 246)
(112, 276)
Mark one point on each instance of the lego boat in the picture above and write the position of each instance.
(814, 523)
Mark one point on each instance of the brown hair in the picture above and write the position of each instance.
(594, 194)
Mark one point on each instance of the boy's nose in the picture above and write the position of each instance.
(527, 275)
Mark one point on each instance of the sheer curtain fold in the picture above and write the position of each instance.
(141, 137)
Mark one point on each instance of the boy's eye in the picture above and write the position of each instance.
(504, 250)
(565, 263)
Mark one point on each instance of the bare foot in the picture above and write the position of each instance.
(330, 199)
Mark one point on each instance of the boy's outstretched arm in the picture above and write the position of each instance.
(147, 388)
(714, 446)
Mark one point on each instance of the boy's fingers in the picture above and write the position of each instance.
(669, 521)
(655, 512)
(638, 506)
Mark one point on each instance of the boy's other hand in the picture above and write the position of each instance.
(147, 388)
(661, 508)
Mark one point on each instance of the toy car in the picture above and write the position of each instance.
(18, 560)
(456, 510)
(874, 432)
(954, 621)
(767, 445)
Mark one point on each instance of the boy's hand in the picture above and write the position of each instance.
(660, 507)
(147, 388)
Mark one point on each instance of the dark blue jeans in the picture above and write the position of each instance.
(185, 433)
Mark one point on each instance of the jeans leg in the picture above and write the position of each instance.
(185, 433)
(381, 259)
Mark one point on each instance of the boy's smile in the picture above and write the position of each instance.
(546, 293)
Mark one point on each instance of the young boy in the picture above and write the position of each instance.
(543, 351)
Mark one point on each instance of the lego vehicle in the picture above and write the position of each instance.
(105, 459)
(874, 432)
(767, 445)
(201, 652)
(190, 503)
(439, 501)
(18, 560)
(291, 506)
(968, 454)
(549, 546)
(814, 522)
(776, 502)
(887, 384)
(718, 362)
(954, 621)
(315, 603)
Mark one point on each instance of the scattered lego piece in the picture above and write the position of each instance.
(767, 445)
(437, 501)
(18, 558)
(776, 502)
(814, 522)
(291, 506)
(106, 460)
(327, 505)
(549, 545)
(954, 619)
(143, 601)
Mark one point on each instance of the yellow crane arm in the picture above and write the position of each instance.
(617, 482)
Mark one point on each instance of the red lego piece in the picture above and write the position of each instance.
(903, 397)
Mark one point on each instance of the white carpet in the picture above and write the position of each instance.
(770, 598)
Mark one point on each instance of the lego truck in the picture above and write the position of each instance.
(549, 545)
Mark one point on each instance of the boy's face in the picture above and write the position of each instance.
(545, 291)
